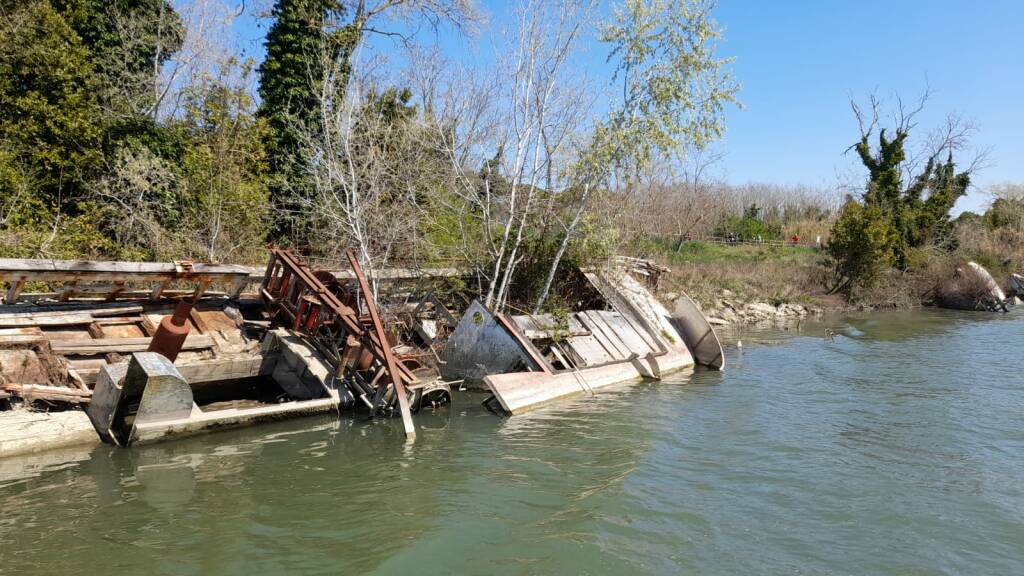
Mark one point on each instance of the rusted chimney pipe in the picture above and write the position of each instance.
(170, 335)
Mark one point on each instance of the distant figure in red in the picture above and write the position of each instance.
(795, 239)
(689, 237)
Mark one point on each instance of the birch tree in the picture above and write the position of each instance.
(527, 119)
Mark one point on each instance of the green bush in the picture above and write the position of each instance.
(863, 243)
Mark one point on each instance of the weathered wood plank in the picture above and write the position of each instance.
(96, 270)
(97, 309)
(12, 321)
(17, 284)
(100, 298)
(65, 307)
(120, 345)
(21, 338)
(42, 392)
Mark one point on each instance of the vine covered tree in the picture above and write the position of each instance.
(290, 90)
(892, 218)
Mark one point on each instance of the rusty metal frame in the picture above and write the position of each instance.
(292, 293)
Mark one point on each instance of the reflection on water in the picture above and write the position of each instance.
(893, 447)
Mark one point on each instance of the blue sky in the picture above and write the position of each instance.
(801, 61)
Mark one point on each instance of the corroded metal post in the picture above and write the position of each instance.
(173, 330)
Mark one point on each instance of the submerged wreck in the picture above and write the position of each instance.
(140, 352)
(972, 287)
(623, 334)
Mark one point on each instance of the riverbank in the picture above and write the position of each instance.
(755, 284)
(750, 284)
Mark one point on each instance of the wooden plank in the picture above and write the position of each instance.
(42, 392)
(95, 270)
(29, 311)
(95, 330)
(74, 319)
(69, 287)
(31, 330)
(600, 336)
(197, 321)
(159, 289)
(627, 333)
(122, 331)
(21, 338)
(611, 333)
(214, 320)
(71, 334)
(120, 345)
(587, 351)
(100, 298)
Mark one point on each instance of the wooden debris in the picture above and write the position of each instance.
(42, 392)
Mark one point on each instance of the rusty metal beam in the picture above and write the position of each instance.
(378, 327)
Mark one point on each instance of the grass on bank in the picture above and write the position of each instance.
(711, 272)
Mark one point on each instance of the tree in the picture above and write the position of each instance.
(918, 212)
(129, 41)
(1007, 209)
(224, 183)
(305, 35)
(50, 126)
(864, 243)
(674, 93)
(290, 87)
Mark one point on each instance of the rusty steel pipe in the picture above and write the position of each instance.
(173, 330)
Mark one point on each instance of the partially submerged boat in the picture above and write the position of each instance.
(625, 334)
(155, 351)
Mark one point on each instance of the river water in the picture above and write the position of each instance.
(895, 446)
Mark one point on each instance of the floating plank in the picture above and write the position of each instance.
(120, 345)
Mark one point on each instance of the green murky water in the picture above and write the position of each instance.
(895, 448)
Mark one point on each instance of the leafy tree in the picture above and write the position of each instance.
(919, 212)
(128, 40)
(1007, 210)
(224, 182)
(50, 126)
(674, 93)
(750, 227)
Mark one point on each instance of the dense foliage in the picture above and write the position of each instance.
(89, 164)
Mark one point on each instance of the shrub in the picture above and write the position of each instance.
(863, 243)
